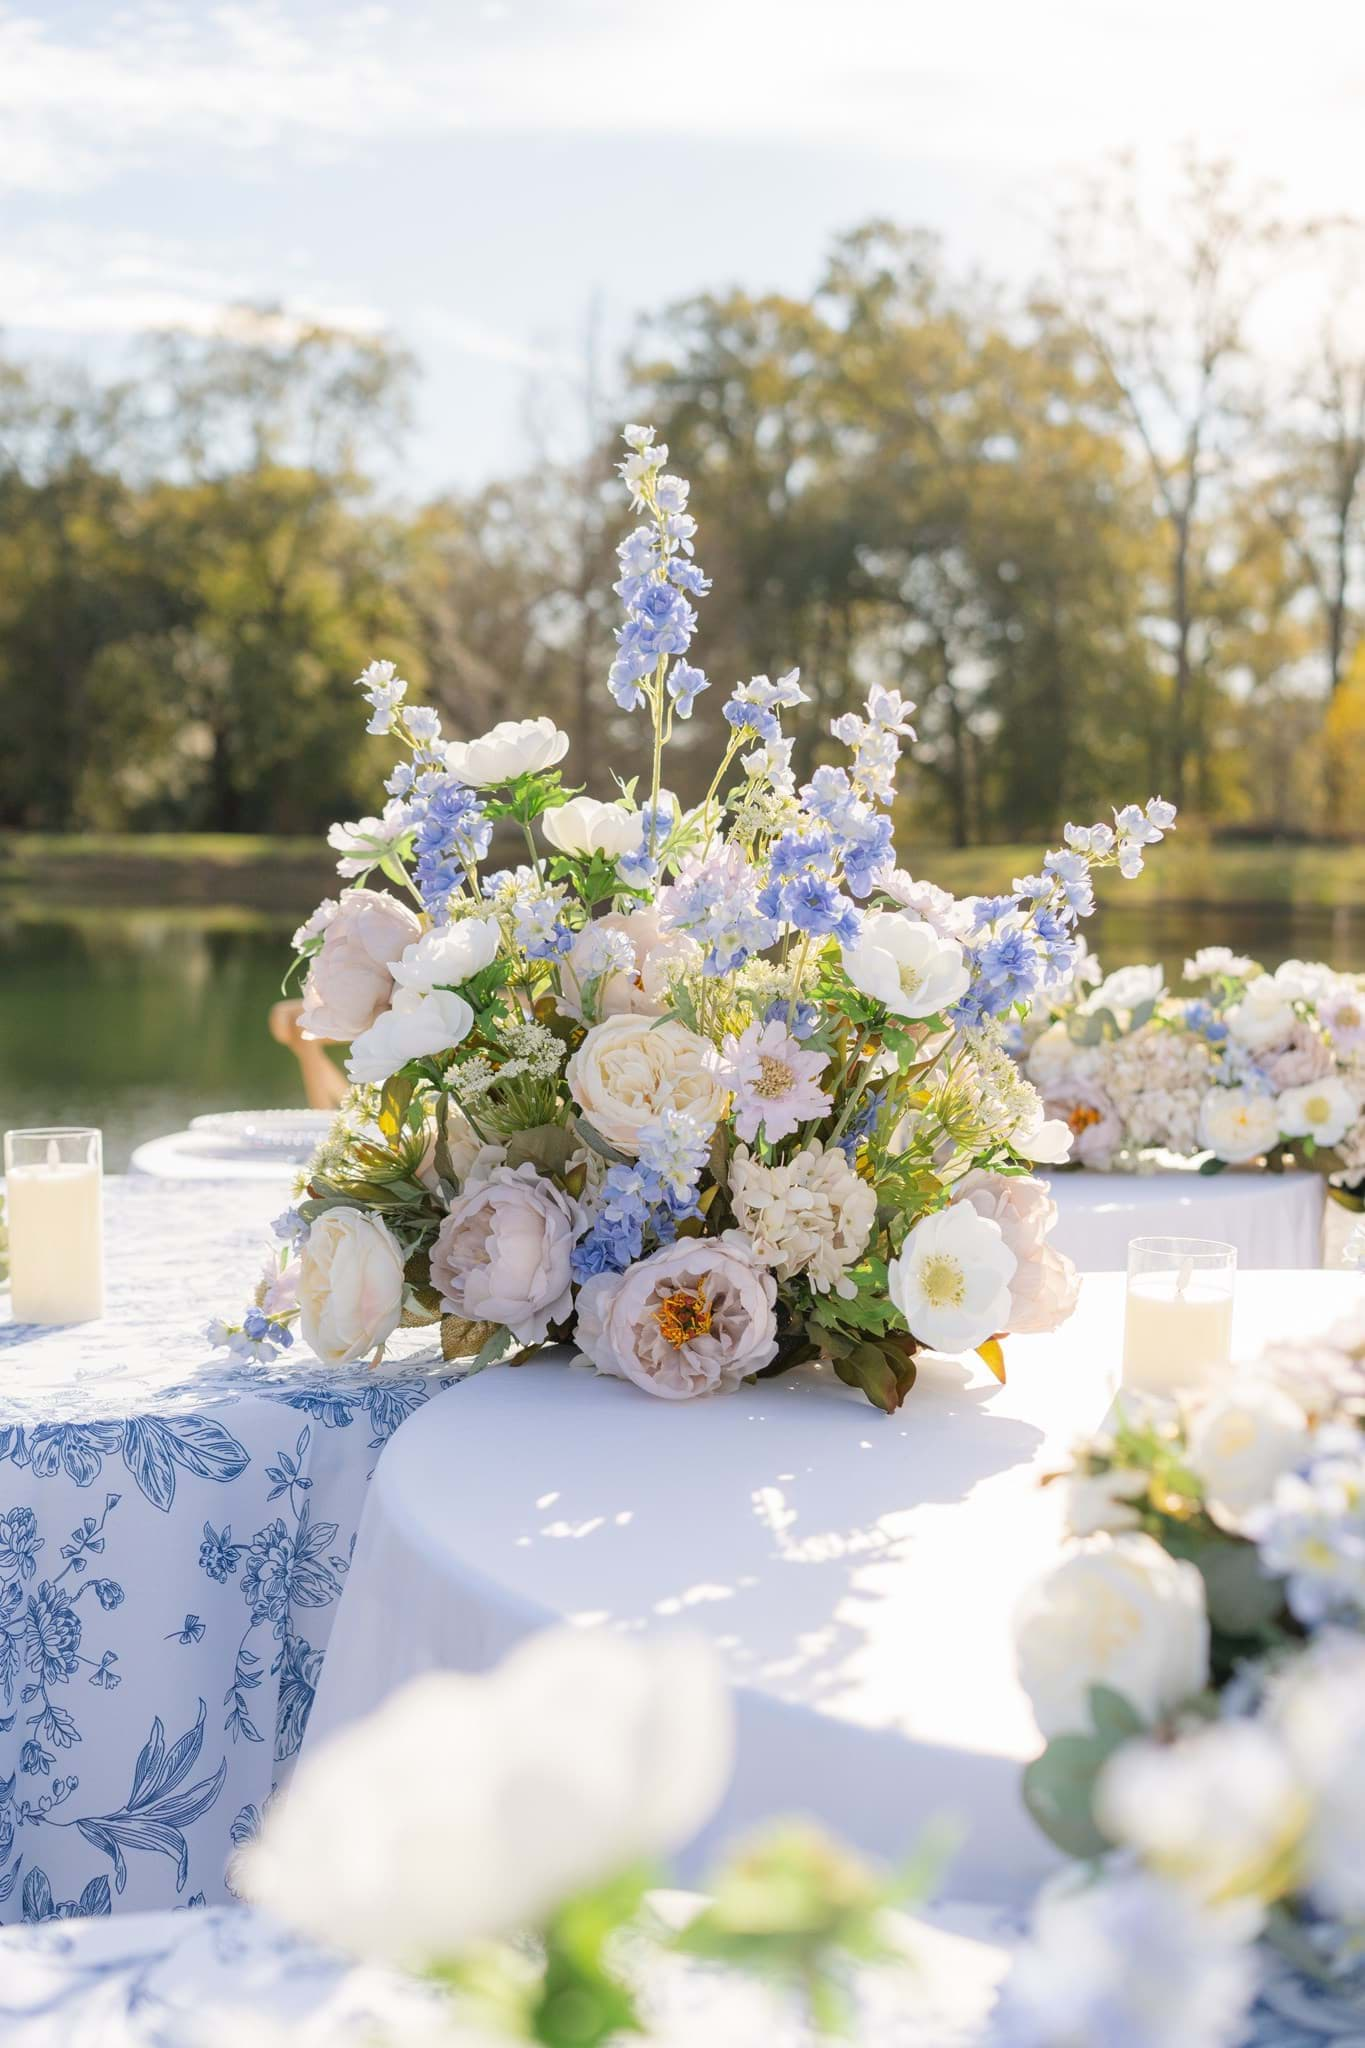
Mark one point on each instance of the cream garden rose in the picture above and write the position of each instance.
(695, 1318)
(1240, 1439)
(350, 982)
(628, 1069)
(1237, 1124)
(584, 826)
(514, 746)
(502, 1254)
(350, 1286)
(904, 963)
(1118, 1612)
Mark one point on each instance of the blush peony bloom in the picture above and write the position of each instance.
(774, 1081)
(695, 1318)
(628, 1070)
(584, 826)
(502, 1253)
(1091, 1118)
(1117, 1611)
(515, 746)
(350, 1286)
(1306, 1057)
(415, 1026)
(906, 964)
(951, 1279)
(639, 989)
(350, 982)
(1045, 1286)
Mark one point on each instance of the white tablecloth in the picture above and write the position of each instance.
(1274, 1219)
(857, 1572)
(174, 1537)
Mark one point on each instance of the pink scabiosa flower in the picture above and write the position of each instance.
(773, 1078)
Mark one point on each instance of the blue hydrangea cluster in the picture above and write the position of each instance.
(452, 837)
(658, 579)
(716, 902)
(754, 706)
(651, 1197)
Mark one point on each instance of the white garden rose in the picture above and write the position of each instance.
(350, 1286)
(350, 982)
(502, 1253)
(1237, 1124)
(1239, 1441)
(1323, 1110)
(448, 954)
(414, 1027)
(1118, 1611)
(594, 1754)
(904, 963)
(584, 826)
(951, 1279)
(1263, 1017)
(695, 1318)
(628, 1069)
(515, 746)
(1221, 1812)
(1126, 989)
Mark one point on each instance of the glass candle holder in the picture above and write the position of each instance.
(55, 1213)
(1177, 1327)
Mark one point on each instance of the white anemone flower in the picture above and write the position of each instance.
(1323, 1110)
(951, 1279)
(514, 746)
(905, 964)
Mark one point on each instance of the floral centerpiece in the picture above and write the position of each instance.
(1251, 1066)
(709, 1091)
(1196, 1662)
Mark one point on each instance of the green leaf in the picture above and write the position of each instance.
(883, 1372)
(496, 1347)
(1211, 1166)
(599, 1144)
(548, 1146)
(1059, 1786)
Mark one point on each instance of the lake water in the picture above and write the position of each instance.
(139, 1020)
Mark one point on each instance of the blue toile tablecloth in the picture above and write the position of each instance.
(175, 1533)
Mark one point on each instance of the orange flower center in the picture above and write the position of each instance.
(1081, 1118)
(683, 1316)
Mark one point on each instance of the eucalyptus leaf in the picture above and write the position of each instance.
(599, 1144)
(548, 1146)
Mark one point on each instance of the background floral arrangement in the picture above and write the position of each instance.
(1252, 1066)
(1197, 1663)
(709, 1092)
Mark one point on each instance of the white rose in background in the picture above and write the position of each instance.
(1054, 1058)
(1126, 989)
(350, 982)
(627, 1070)
(448, 954)
(1304, 981)
(502, 1253)
(1239, 1441)
(1264, 1017)
(594, 1754)
(1220, 1812)
(1118, 1612)
(1045, 1286)
(584, 826)
(1323, 1110)
(1236, 1124)
(415, 1027)
(905, 964)
(695, 1318)
(350, 1286)
(951, 1279)
(515, 746)
(1319, 1713)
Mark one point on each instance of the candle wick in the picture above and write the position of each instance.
(54, 1156)
(1185, 1276)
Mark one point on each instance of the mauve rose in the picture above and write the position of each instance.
(1046, 1286)
(502, 1253)
(350, 982)
(1305, 1058)
(695, 1318)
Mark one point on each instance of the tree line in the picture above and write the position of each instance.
(1105, 543)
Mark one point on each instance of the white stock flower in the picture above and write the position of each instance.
(1264, 1017)
(695, 1318)
(585, 826)
(1237, 1124)
(906, 964)
(514, 746)
(502, 1253)
(1240, 1439)
(350, 1286)
(1117, 1611)
(1220, 1812)
(412, 1028)
(951, 1279)
(812, 1215)
(1322, 1110)
(628, 1069)
(448, 954)
(579, 1757)
(350, 981)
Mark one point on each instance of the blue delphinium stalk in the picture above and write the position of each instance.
(453, 835)
(715, 902)
(753, 707)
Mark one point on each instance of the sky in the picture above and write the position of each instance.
(477, 176)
